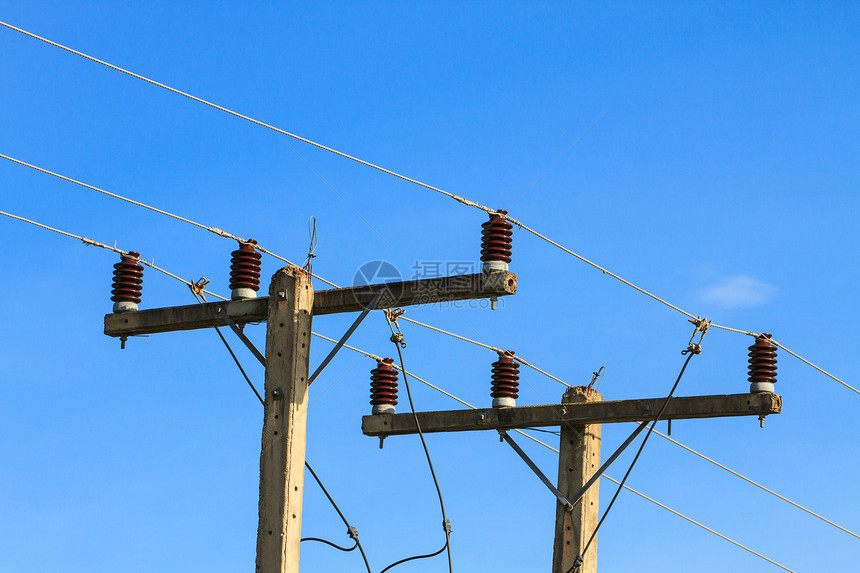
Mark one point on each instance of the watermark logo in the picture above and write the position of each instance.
(378, 273)
(424, 292)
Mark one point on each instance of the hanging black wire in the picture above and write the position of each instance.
(350, 530)
(446, 525)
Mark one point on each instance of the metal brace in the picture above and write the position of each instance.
(222, 314)
(567, 505)
(345, 337)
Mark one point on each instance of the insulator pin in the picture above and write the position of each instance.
(127, 283)
(496, 242)
(383, 387)
(506, 385)
(245, 271)
(762, 364)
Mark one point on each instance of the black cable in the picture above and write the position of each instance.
(446, 525)
(351, 531)
(230, 350)
(335, 545)
(691, 351)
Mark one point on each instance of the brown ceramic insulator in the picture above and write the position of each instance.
(128, 279)
(245, 267)
(496, 239)
(762, 362)
(383, 383)
(506, 376)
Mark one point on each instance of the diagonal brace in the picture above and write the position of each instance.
(568, 506)
(232, 324)
(608, 462)
(345, 337)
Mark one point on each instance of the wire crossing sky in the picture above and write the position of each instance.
(719, 172)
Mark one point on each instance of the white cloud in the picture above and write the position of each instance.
(739, 291)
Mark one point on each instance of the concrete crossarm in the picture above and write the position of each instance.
(680, 408)
(330, 301)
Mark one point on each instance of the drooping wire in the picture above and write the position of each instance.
(351, 531)
(397, 339)
(691, 351)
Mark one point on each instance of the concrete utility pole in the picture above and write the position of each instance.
(282, 459)
(288, 312)
(579, 458)
(580, 416)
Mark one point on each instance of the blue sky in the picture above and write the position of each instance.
(705, 151)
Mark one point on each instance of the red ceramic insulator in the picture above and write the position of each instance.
(245, 267)
(762, 362)
(506, 376)
(383, 386)
(496, 239)
(127, 279)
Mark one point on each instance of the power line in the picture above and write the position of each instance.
(758, 485)
(462, 200)
(691, 351)
(397, 340)
(262, 249)
(694, 522)
(108, 247)
(394, 174)
(215, 230)
(87, 241)
(378, 358)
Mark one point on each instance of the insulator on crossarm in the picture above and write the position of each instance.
(762, 364)
(245, 271)
(506, 385)
(496, 242)
(383, 387)
(127, 283)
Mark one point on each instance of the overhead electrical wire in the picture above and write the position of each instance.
(87, 241)
(379, 358)
(389, 172)
(397, 340)
(351, 530)
(758, 485)
(694, 522)
(394, 174)
(262, 249)
(93, 243)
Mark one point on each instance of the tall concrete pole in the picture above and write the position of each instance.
(282, 459)
(579, 459)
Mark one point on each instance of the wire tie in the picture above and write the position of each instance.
(352, 532)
